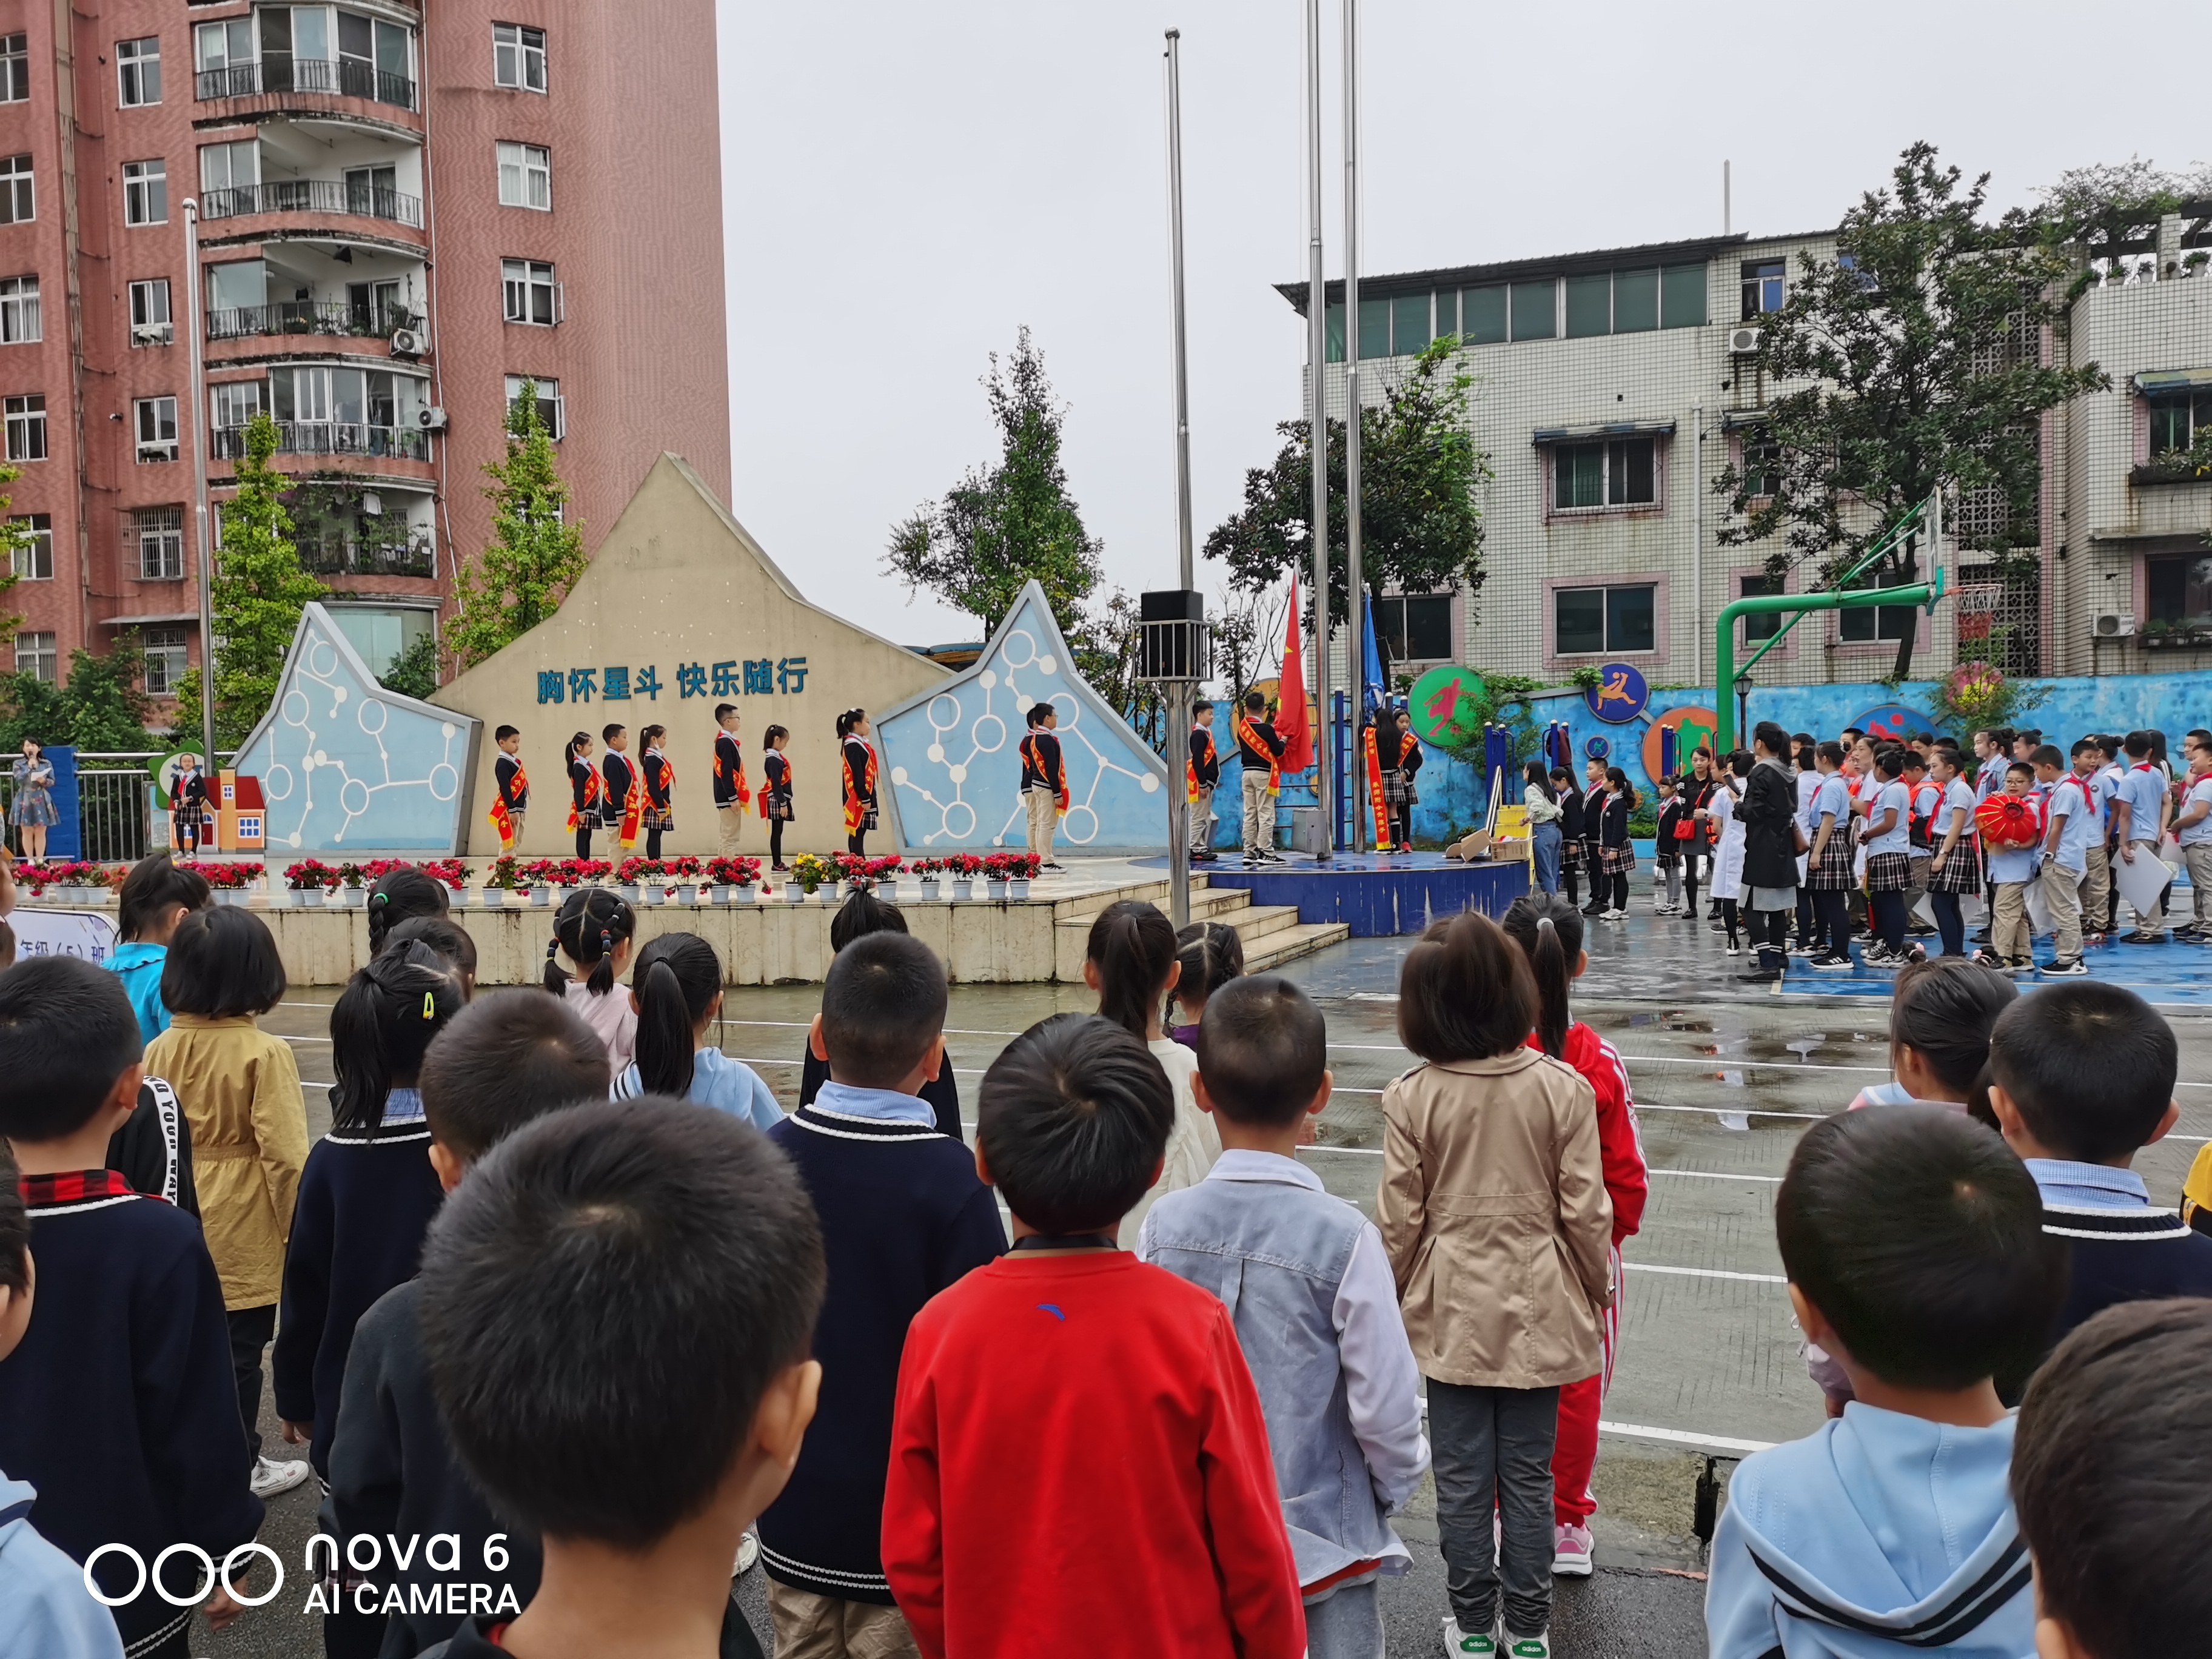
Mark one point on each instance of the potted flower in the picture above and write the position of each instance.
(808, 873)
(451, 872)
(929, 869)
(631, 876)
(231, 882)
(349, 890)
(307, 881)
(997, 868)
(1021, 870)
(885, 870)
(684, 873)
(502, 877)
(963, 867)
(593, 872)
(736, 880)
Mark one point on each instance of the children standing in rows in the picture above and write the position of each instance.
(584, 791)
(1201, 777)
(677, 994)
(775, 793)
(1044, 780)
(510, 789)
(859, 760)
(659, 779)
(621, 801)
(732, 793)
(156, 896)
(1955, 869)
(595, 930)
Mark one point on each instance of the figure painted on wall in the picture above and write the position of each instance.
(187, 806)
(583, 791)
(512, 784)
(775, 793)
(860, 779)
(659, 779)
(32, 810)
(731, 792)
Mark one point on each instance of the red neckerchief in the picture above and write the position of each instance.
(73, 1187)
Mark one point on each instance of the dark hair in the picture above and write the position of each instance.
(223, 962)
(2048, 755)
(1464, 992)
(1210, 954)
(1832, 752)
(400, 894)
(1203, 706)
(1072, 1121)
(1536, 774)
(503, 1060)
(649, 735)
(1911, 760)
(1890, 763)
(1569, 789)
(1619, 780)
(592, 922)
(677, 979)
(382, 1025)
(7, 946)
(2029, 735)
(1132, 945)
(1551, 950)
(2199, 736)
(1776, 740)
(67, 1031)
(1740, 762)
(1262, 1050)
(1919, 1236)
(442, 934)
(768, 737)
(580, 1253)
(504, 733)
(861, 914)
(723, 711)
(1807, 754)
(2090, 1067)
(1946, 755)
(2108, 1457)
(1255, 701)
(883, 1006)
(15, 1228)
(568, 750)
(845, 721)
(2021, 767)
(2087, 746)
(2136, 742)
(1942, 1011)
(1038, 710)
(154, 885)
(607, 731)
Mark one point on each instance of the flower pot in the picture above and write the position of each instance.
(231, 896)
(357, 898)
(830, 894)
(687, 892)
(995, 889)
(961, 886)
(295, 897)
(630, 892)
(929, 890)
(794, 893)
(1017, 888)
(747, 894)
(540, 896)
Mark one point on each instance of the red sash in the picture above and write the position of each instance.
(856, 799)
(1190, 768)
(1375, 794)
(501, 818)
(732, 778)
(766, 781)
(1036, 765)
(1254, 743)
(590, 791)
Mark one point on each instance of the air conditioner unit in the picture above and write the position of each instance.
(1743, 341)
(406, 342)
(2113, 625)
(431, 420)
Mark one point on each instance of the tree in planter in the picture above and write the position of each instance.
(1917, 353)
(259, 592)
(536, 553)
(996, 531)
(1420, 473)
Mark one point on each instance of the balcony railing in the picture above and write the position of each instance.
(312, 195)
(348, 77)
(337, 557)
(2175, 466)
(309, 316)
(331, 437)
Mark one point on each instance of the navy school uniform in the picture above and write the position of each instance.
(120, 1405)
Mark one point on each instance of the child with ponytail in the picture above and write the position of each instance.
(1549, 931)
(401, 895)
(584, 790)
(677, 994)
(1130, 960)
(1208, 955)
(595, 930)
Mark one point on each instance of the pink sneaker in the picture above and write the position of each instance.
(1571, 1551)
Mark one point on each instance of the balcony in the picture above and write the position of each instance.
(336, 555)
(337, 317)
(2175, 466)
(331, 437)
(349, 77)
(314, 196)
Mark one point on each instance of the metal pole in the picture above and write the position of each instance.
(1355, 595)
(1727, 202)
(1316, 362)
(1179, 693)
(203, 552)
(1697, 543)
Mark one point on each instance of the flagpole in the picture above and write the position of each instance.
(1179, 693)
(1355, 598)
(1317, 413)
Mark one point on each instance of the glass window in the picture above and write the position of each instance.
(156, 421)
(145, 193)
(1482, 315)
(149, 312)
(1682, 296)
(235, 403)
(1535, 310)
(1374, 329)
(223, 54)
(1630, 471)
(527, 285)
(34, 561)
(1333, 335)
(1409, 324)
(167, 661)
(1620, 473)
(381, 634)
(1880, 622)
(2175, 421)
(1447, 311)
(230, 166)
(551, 411)
(1578, 620)
(1762, 288)
(1589, 305)
(15, 68)
(19, 310)
(26, 419)
(1428, 627)
(35, 655)
(160, 534)
(1635, 302)
(1762, 463)
(1759, 625)
(1630, 619)
(237, 285)
(526, 177)
(311, 35)
(2180, 589)
(1578, 475)
(17, 198)
(518, 56)
(138, 72)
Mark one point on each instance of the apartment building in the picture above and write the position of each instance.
(1614, 388)
(405, 214)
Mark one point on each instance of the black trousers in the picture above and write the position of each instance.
(1400, 821)
(1693, 867)
(1949, 922)
(857, 843)
(776, 843)
(1888, 911)
(1832, 927)
(252, 1329)
(1729, 918)
(653, 843)
(583, 839)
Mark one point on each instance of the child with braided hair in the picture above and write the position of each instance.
(594, 931)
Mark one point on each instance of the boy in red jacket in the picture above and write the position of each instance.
(1068, 1392)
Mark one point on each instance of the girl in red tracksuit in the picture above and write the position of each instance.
(1549, 931)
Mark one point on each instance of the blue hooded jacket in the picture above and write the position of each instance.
(139, 965)
(44, 1608)
(1878, 1536)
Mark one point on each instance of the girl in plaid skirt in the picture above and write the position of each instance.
(1828, 865)
(1594, 798)
(1572, 831)
(1889, 859)
(1957, 869)
(1615, 856)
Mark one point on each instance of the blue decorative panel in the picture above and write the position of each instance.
(348, 766)
(952, 754)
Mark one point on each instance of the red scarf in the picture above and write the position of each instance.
(501, 818)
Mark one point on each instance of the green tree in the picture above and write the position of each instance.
(1420, 475)
(15, 533)
(536, 552)
(414, 671)
(995, 530)
(99, 708)
(257, 594)
(1916, 362)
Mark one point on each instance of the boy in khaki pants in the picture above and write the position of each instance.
(2010, 869)
(2192, 828)
(1044, 780)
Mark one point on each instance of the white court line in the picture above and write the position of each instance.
(1683, 1437)
(1687, 1174)
(1704, 1272)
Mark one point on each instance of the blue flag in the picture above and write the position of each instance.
(1373, 694)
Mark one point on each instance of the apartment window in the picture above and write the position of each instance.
(526, 177)
(223, 53)
(1762, 463)
(160, 533)
(34, 560)
(527, 285)
(235, 403)
(1878, 621)
(1409, 324)
(35, 655)
(1762, 288)
(167, 663)
(1415, 628)
(1482, 315)
(518, 56)
(1759, 626)
(230, 166)
(2180, 589)
(15, 68)
(1621, 473)
(552, 412)
(1535, 310)
(138, 72)
(1591, 621)
(156, 421)
(2175, 421)
(1589, 305)
(19, 310)
(145, 193)
(26, 421)
(149, 312)
(18, 200)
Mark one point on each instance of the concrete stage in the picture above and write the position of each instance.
(1376, 895)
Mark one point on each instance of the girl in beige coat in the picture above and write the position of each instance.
(1494, 1212)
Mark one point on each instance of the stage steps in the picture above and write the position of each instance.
(1272, 933)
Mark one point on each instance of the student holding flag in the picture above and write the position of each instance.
(1044, 780)
(732, 792)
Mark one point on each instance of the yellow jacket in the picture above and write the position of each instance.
(2196, 1191)
(240, 1088)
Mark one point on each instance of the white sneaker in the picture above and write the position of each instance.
(271, 1477)
(1482, 1642)
(1571, 1551)
(748, 1553)
(1538, 1646)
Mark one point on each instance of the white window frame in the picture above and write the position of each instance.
(150, 417)
(515, 48)
(170, 647)
(36, 562)
(150, 295)
(521, 283)
(25, 419)
(530, 168)
(165, 536)
(22, 322)
(15, 68)
(19, 190)
(226, 396)
(138, 70)
(38, 655)
(146, 188)
(548, 392)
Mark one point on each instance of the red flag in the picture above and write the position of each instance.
(1290, 722)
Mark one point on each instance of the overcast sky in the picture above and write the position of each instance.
(905, 187)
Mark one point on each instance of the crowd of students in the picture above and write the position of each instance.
(1121, 1378)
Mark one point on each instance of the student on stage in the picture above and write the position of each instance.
(659, 779)
(621, 804)
(733, 795)
(510, 789)
(775, 793)
(1044, 780)
(859, 757)
(1261, 751)
(187, 806)
(1201, 777)
(584, 790)
(1399, 752)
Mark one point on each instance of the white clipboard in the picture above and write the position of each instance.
(2142, 881)
(2039, 911)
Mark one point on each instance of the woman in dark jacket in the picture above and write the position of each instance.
(1770, 848)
